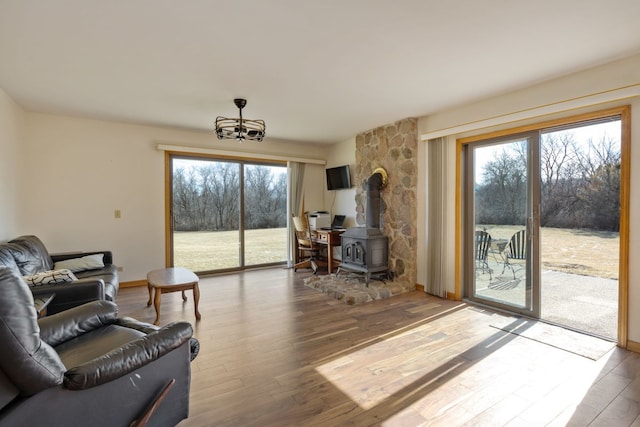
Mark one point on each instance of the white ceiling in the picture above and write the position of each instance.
(315, 71)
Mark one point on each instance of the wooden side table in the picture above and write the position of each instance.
(173, 279)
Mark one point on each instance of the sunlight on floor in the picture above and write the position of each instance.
(366, 386)
(402, 371)
(418, 370)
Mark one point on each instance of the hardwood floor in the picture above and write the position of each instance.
(276, 353)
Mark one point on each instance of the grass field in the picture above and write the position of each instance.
(216, 250)
(585, 252)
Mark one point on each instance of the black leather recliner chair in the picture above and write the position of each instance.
(86, 366)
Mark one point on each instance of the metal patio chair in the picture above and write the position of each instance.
(516, 249)
(483, 243)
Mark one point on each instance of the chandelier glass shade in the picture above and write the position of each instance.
(240, 128)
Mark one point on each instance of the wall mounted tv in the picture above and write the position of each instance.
(338, 178)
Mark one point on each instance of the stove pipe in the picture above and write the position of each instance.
(373, 185)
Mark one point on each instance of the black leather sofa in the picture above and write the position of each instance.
(27, 255)
(87, 367)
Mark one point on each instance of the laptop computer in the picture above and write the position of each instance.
(337, 223)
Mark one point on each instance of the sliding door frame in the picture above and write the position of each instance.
(168, 182)
(531, 305)
(624, 112)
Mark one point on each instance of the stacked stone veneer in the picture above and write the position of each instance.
(394, 148)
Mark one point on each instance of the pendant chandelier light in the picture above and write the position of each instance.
(240, 128)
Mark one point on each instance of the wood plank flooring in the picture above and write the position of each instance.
(276, 353)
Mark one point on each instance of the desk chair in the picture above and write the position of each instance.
(306, 245)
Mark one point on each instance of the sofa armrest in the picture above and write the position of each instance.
(68, 324)
(147, 328)
(130, 322)
(128, 358)
(71, 294)
(108, 256)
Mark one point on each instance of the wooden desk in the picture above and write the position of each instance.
(331, 238)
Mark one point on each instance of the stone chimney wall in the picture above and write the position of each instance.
(394, 148)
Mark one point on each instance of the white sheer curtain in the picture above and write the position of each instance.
(295, 186)
(437, 219)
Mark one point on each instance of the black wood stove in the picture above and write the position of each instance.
(366, 249)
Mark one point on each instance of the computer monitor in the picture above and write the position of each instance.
(338, 221)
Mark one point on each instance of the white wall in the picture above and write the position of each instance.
(78, 171)
(342, 202)
(568, 92)
(12, 124)
(587, 88)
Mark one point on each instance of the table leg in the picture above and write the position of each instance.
(156, 303)
(196, 298)
(184, 296)
(149, 288)
(329, 253)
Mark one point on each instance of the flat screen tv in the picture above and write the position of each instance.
(338, 178)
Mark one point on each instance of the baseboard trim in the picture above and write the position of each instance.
(133, 284)
(419, 287)
(633, 346)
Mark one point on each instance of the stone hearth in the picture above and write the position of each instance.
(352, 289)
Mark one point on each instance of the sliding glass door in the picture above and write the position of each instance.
(580, 171)
(500, 224)
(226, 214)
(265, 214)
(542, 221)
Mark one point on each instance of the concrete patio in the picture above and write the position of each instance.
(584, 303)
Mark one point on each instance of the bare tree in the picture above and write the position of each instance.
(207, 197)
(185, 200)
(599, 192)
(559, 178)
(502, 198)
(579, 184)
(264, 206)
(225, 195)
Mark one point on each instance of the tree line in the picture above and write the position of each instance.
(206, 197)
(579, 184)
